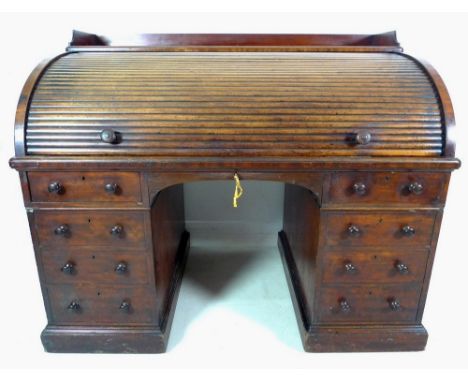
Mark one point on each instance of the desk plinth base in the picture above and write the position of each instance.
(147, 339)
(346, 338)
(57, 339)
(360, 338)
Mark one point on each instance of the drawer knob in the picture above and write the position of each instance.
(394, 304)
(109, 136)
(68, 268)
(116, 230)
(363, 138)
(408, 230)
(62, 230)
(56, 188)
(350, 267)
(74, 306)
(111, 188)
(415, 188)
(125, 306)
(354, 230)
(359, 188)
(344, 305)
(401, 268)
(121, 267)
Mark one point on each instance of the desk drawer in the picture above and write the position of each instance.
(388, 187)
(399, 229)
(371, 265)
(96, 305)
(392, 304)
(115, 229)
(84, 186)
(78, 265)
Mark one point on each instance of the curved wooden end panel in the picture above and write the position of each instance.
(24, 101)
(447, 109)
(448, 114)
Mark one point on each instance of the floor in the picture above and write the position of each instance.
(245, 287)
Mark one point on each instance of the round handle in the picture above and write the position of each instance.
(56, 188)
(350, 267)
(111, 188)
(415, 188)
(394, 304)
(62, 230)
(359, 188)
(363, 138)
(109, 136)
(121, 267)
(354, 230)
(68, 268)
(344, 305)
(125, 306)
(408, 230)
(401, 267)
(74, 306)
(116, 230)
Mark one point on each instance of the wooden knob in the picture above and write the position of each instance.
(415, 188)
(109, 136)
(68, 268)
(121, 267)
(116, 230)
(359, 188)
(408, 230)
(350, 267)
(394, 304)
(363, 138)
(354, 230)
(74, 306)
(111, 188)
(125, 306)
(401, 267)
(56, 188)
(344, 305)
(62, 230)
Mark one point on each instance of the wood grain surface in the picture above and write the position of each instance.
(107, 134)
(235, 104)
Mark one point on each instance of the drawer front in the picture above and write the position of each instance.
(115, 229)
(94, 305)
(84, 187)
(388, 187)
(371, 266)
(391, 304)
(77, 265)
(379, 228)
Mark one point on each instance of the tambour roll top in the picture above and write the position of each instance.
(243, 102)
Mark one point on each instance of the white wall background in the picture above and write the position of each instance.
(211, 217)
(27, 39)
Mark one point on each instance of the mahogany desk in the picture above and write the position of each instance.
(108, 132)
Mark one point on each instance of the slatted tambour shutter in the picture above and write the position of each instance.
(234, 104)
